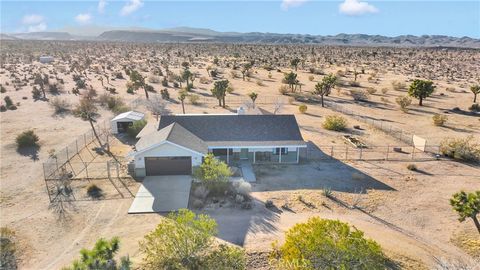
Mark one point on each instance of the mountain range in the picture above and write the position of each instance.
(188, 34)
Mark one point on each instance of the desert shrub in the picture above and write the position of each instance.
(354, 84)
(8, 101)
(176, 85)
(302, 108)
(165, 82)
(27, 139)
(283, 89)
(94, 191)
(439, 120)
(269, 204)
(136, 127)
(149, 88)
(398, 86)
(3, 89)
(404, 102)
(118, 75)
(371, 90)
(412, 167)
(153, 79)
(475, 107)
(3, 108)
(328, 244)
(60, 105)
(242, 188)
(165, 94)
(8, 259)
(204, 80)
(335, 122)
(327, 192)
(194, 99)
(359, 95)
(130, 90)
(465, 149)
(214, 174)
(197, 204)
(384, 90)
(36, 94)
(260, 82)
(311, 78)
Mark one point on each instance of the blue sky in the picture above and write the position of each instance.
(390, 18)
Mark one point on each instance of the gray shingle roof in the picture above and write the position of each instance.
(237, 128)
(173, 133)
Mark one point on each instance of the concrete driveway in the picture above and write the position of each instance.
(162, 194)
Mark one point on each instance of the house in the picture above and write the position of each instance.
(45, 59)
(122, 121)
(179, 142)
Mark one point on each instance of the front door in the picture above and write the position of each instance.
(244, 153)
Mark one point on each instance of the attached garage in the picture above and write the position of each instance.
(168, 165)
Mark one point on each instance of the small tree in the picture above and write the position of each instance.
(214, 173)
(186, 241)
(27, 139)
(245, 70)
(181, 96)
(294, 63)
(327, 244)
(467, 206)
(421, 89)
(253, 96)
(475, 90)
(87, 110)
(291, 80)
(324, 87)
(138, 81)
(219, 90)
(102, 256)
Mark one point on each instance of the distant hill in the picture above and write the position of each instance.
(7, 37)
(188, 34)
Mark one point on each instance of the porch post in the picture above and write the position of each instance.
(280, 155)
(254, 154)
(228, 157)
(298, 154)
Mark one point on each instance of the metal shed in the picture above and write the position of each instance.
(122, 121)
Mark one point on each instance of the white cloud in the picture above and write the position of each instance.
(356, 7)
(286, 4)
(83, 18)
(131, 6)
(34, 23)
(101, 6)
(37, 27)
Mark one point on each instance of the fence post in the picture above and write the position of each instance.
(118, 169)
(413, 152)
(388, 149)
(331, 153)
(68, 158)
(108, 170)
(346, 152)
(46, 185)
(84, 139)
(86, 168)
(76, 144)
(361, 149)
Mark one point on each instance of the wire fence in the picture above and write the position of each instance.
(388, 152)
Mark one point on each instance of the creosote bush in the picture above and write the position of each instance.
(412, 167)
(302, 108)
(94, 191)
(359, 95)
(465, 149)
(404, 102)
(27, 139)
(335, 122)
(60, 105)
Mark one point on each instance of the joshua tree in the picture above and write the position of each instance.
(245, 69)
(324, 87)
(219, 91)
(39, 80)
(291, 80)
(421, 89)
(467, 206)
(186, 75)
(181, 96)
(475, 90)
(253, 96)
(138, 81)
(87, 110)
(294, 63)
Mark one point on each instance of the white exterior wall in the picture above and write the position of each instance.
(114, 127)
(167, 150)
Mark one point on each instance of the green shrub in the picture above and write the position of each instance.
(412, 167)
(165, 94)
(465, 149)
(94, 191)
(27, 139)
(2, 89)
(439, 120)
(302, 108)
(8, 101)
(8, 249)
(3, 108)
(136, 127)
(327, 244)
(214, 174)
(359, 95)
(475, 107)
(335, 122)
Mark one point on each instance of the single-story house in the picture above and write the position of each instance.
(122, 121)
(180, 142)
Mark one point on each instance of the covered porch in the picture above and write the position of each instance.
(258, 155)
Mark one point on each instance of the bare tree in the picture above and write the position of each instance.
(156, 105)
(278, 106)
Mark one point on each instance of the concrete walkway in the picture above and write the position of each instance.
(164, 193)
(247, 171)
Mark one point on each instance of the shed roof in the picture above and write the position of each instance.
(130, 115)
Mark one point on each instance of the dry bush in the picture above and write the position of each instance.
(302, 108)
(359, 95)
(153, 79)
(398, 86)
(201, 192)
(8, 248)
(465, 149)
(384, 90)
(242, 187)
(439, 120)
(60, 105)
(283, 89)
(311, 78)
(404, 102)
(194, 99)
(371, 90)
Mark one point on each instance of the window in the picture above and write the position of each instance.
(283, 150)
(222, 152)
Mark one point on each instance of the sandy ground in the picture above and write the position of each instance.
(407, 213)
